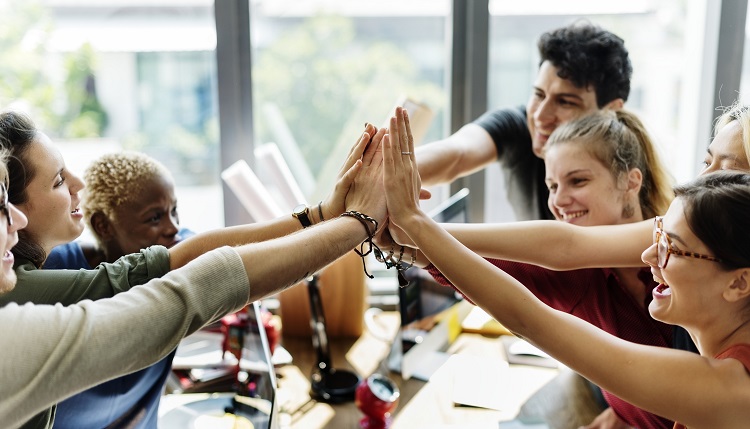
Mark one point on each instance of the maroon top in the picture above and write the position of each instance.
(596, 296)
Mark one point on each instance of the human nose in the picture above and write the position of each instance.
(545, 112)
(561, 197)
(19, 219)
(76, 184)
(649, 256)
(172, 225)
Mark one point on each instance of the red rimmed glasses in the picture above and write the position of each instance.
(664, 247)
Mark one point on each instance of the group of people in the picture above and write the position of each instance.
(573, 282)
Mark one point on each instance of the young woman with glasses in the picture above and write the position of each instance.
(708, 294)
(48, 194)
(601, 169)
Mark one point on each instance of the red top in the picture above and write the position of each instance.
(741, 352)
(596, 296)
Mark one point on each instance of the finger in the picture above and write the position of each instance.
(424, 194)
(355, 153)
(393, 137)
(374, 147)
(402, 132)
(348, 177)
(409, 136)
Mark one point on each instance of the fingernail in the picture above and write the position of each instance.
(367, 124)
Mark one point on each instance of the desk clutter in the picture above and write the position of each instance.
(237, 383)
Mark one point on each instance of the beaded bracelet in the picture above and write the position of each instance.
(364, 219)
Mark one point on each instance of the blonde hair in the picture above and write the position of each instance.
(740, 113)
(620, 141)
(116, 179)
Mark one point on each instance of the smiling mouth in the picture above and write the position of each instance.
(77, 210)
(573, 215)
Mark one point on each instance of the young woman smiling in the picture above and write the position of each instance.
(47, 193)
(702, 267)
(601, 169)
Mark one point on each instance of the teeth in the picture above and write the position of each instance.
(573, 215)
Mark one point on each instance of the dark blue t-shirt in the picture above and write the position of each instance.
(130, 401)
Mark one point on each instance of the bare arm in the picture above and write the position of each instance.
(466, 151)
(550, 244)
(714, 395)
(557, 245)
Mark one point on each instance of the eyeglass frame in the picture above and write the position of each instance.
(659, 232)
(5, 204)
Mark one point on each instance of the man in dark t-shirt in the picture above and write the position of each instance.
(583, 68)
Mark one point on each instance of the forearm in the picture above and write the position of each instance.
(191, 248)
(557, 245)
(468, 150)
(276, 264)
(53, 351)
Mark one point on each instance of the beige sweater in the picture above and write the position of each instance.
(48, 353)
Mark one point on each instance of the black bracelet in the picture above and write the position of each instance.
(320, 210)
(364, 220)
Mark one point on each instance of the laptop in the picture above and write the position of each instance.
(244, 391)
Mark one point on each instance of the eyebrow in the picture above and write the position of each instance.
(570, 173)
(563, 94)
(722, 156)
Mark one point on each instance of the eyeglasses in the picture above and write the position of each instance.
(664, 247)
(4, 205)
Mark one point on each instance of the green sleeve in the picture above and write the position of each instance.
(70, 286)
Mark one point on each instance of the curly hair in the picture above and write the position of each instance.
(619, 140)
(588, 55)
(115, 179)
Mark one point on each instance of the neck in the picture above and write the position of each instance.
(717, 335)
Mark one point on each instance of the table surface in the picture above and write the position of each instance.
(477, 367)
(559, 396)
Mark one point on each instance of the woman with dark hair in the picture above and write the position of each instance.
(47, 193)
(697, 289)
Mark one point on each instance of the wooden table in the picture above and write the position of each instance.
(558, 395)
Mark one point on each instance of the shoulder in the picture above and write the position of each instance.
(66, 256)
(508, 129)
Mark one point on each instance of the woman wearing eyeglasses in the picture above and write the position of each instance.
(48, 195)
(700, 260)
(602, 169)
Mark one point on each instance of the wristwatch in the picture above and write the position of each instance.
(302, 212)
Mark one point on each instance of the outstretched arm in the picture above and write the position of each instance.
(550, 244)
(87, 340)
(714, 395)
(466, 151)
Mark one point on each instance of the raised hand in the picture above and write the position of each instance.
(334, 204)
(366, 194)
(401, 178)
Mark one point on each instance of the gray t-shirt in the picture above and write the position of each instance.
(522, 170)
(51, 352)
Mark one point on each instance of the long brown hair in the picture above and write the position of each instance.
(17, 133)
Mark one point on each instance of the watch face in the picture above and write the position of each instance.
(300, 209)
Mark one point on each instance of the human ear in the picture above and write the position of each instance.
(739, 288)
(635, 180)
(102, 226)
(616, 104)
